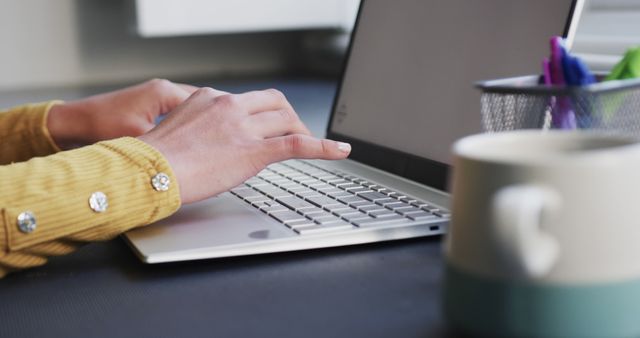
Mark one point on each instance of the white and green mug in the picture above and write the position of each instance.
(545, 236)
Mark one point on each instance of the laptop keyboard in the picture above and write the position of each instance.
(309, 200)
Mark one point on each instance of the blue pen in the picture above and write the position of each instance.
(576, 73)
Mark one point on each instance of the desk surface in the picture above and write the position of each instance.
(376, 290)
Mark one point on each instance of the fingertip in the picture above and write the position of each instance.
(336, 150)
(344, 147)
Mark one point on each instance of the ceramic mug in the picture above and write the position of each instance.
(545, 236)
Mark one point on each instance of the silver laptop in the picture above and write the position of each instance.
(406, 95)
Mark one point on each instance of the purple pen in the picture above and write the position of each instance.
(562, 115)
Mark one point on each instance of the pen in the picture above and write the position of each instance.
(562, 115)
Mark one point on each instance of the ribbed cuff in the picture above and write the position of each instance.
(44, 130)
(57, 189)
(152, 162)
(24, 133)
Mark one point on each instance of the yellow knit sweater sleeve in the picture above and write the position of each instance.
(23, 133)
(50, 205)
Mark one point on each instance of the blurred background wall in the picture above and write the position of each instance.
(52, 43)
(48, 43)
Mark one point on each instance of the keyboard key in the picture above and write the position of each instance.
(323, 201)
(311, 211)
(294, 203)
(333, 178)
(337, 193)
(336, 207)
(323, 214)
(272, 191)
(406, 210)
(373, 196)
(424, 206)
(421, 216)
(288, 184)
(430, 208)
(394, 205)
(370, 207)
(351, 200)
(396, 195)
(323, 228)
(323, 187)
(245, 192)
(297, 176)
(340, 183)
(253, 180)
(308, 194)
(258, 203)
(287, 216)
(382, 213)
(350, 186)
(359, 190)
(313, 183)
(324, 176)
(273, 209)
(295, 186)
(279, 180)
(298, 224)
(356, 216)
(327, 219)
(442, 213)
(345, 212)
(268, 176)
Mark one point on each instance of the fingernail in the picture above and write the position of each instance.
(344, 147)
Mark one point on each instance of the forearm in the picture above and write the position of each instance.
(24, 133)
(57, 190)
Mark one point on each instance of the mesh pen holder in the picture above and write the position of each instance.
(524, 103)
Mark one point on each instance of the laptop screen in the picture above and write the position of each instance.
(408, 83)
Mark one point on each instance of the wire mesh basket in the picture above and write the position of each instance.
(524, 103)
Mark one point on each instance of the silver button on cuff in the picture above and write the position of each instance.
(98, 202)
(160, 182)
(27, 222)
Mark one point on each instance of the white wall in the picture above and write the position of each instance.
(46, 43)
(191, 17)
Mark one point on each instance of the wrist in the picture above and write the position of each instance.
(67, 126)
(170, 157)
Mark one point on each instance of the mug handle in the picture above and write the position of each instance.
(517, 212)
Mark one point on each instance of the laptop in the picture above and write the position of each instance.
(405, 96)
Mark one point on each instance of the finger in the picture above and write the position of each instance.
(145, 126)
(304, 147)
(187, 87)
(277, 123)
(263, 100)
(200, 97)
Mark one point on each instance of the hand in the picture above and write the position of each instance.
(215, 141)
(130, 111)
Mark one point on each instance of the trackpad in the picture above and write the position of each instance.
(219, 221)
